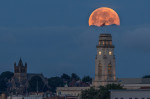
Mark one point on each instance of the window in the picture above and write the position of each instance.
(103, 42)
(109, 69)
(110, 53)
(99, 69)
(100, 53)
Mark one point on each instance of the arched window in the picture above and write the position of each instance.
(109, 69)
(99, 69)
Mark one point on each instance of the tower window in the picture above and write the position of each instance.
(110, 53)
(99, 69)
(109, 69)
(100, 53)
(103, 42)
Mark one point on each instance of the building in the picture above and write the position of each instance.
(104, 68)
(70, 91)
(26, 97)
(19, 82)
(3, 96)
(105, 72)
(105, 62)
(130, 94)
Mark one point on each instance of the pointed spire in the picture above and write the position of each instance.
(20, 62)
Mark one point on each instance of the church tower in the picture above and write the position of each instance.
(20, 71)
(104, 62)
(19, 80)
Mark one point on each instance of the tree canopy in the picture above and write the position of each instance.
(101, 93)
(87, 79)
(54, 82)
(146, 76)
(75, 77)
(4, 78)
(36, 84)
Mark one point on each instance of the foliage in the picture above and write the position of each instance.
(36, 84)
(66, 78)
(101, 93)
(4, 78)
(146, 76)
(87, 79)
(54, 82)
(91, 93)
(75, 77)
(6, 75)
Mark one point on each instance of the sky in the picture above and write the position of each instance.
(53, 36)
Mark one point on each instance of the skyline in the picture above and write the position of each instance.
(54, 37)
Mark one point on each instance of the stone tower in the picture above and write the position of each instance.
(19, 80)
(20, 71)
(104, 62)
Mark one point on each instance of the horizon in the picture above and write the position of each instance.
(53, 37)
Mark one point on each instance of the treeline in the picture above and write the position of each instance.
(4, 79)
(35, 82)
(103, 92)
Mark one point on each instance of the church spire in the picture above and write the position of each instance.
(20, 63)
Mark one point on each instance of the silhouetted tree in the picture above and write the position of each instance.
(87, 79)
(37, 84)
(146, 76)
(54, 82)
(101, 93)
(4, 78)
(75, 77)
(66, 78)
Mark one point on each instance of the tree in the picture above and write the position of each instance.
(101, 93)
(4, 78)
(6, 75)
(87, 79)
(66, 78)
(54, 82)
(146, 76)
(36, 84)
(104, 90)
(91, 93)
(75, 77)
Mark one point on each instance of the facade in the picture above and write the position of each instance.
(70, 91)
(3, 96)
(105, 62)
(26, 97)
(135, 83)
(130, 94)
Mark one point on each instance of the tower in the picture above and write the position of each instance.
(20, 71)
(104, 61)
(19, 80)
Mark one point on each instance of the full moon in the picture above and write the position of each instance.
(104, 16)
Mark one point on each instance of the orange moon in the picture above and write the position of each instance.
(104, 16)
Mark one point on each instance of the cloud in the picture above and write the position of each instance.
(137, 39)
